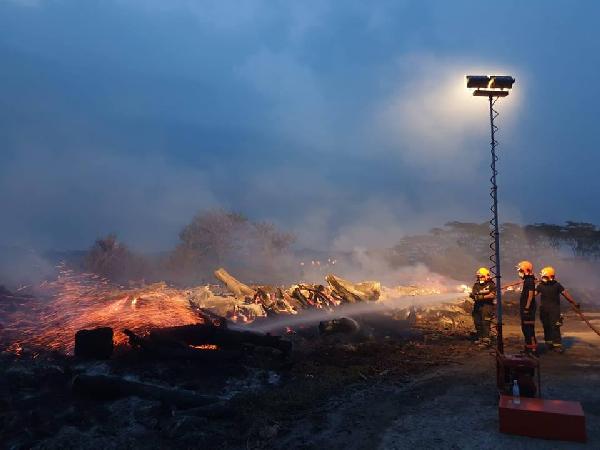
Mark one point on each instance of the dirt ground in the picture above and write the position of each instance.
(392, 386)
(454, 406)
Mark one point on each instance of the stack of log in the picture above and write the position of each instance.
(367, 291)
(252, 302)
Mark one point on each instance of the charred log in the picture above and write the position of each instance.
(319, 296)
(174, 350)
(224, 338)
(302, 299)
(215, 319)
(184, 341)
(94, 344)
(294, 303)
(102, 387)
(273, 301)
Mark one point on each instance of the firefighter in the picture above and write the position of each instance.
(527, 306)
(483, 294)
(550, 291)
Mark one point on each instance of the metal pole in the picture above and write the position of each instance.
(496, 231)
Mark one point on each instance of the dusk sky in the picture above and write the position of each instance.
(347, 122)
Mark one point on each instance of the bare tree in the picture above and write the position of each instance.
(112, 259)
(210, 236)
(218, 238)
(457, 247)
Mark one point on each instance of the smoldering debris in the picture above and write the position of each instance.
(205, 363)
(83, 301)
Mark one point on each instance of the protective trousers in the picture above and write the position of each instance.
(528, 328)
(483, 312)
(550, 317)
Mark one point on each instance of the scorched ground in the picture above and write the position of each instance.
(399, 376)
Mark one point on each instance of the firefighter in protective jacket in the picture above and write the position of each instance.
(550, 291)
(483, 295)
(527, 306)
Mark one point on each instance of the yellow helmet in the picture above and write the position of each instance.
(525, 267)
(483, 272)
(548, 272)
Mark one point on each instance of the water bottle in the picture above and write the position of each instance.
(516, 393)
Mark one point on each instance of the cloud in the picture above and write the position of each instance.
(242, 15)
(217, 14)
(26, 3)
(297, 107)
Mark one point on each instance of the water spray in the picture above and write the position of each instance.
(315, 316)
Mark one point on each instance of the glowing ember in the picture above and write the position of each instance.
(205, 347)
(78, 301)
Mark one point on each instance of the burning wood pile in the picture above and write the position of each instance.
(178, 362)
(252, 302)
(82, 301)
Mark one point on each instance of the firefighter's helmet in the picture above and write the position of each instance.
(548, 273)
(483, 272)
(526, 267)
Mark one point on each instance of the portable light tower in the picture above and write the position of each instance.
(493, 87)
(553, 419)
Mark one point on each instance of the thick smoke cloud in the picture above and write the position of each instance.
(348, 125)
(74, 195)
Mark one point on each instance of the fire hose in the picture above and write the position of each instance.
(506, 286)
(573, 306)
(585, 319)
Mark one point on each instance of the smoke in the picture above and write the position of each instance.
(243, 115)
(72, 196)
(431, 118)
(349, 126)
(580, 277)
(21, 268)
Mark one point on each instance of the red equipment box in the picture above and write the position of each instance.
(524, 369)
(539, 418)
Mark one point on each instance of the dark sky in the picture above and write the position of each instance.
(346, 122)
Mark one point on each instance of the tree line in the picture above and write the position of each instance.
(255, 250)
(457, 247)
(260, 252)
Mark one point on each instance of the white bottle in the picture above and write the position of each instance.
(516, 393)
